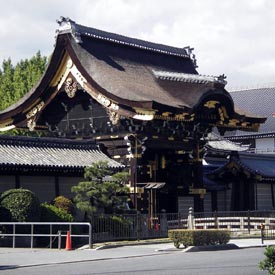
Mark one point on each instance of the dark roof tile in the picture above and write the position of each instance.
(68, 25)
(50, 153)
(259, 101)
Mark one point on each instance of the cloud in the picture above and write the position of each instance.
(232, 37)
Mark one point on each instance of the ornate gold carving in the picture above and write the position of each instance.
(70, 87)
(181, 117)
(166, 114)
(35, 109)
(233, 122)
(69, 63)
(107, 102)
(31, 124)
(114, 116)
(221, 114)
(211, 104)
(224, 112)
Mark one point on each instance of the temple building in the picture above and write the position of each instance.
(143, 104)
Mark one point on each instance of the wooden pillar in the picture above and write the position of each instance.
(214, 201)
(56, 185)
(133, 181)
(251, 195)
(198, 178)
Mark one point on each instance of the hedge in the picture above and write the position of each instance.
(22, 204)
(51, 213)
(199, 237)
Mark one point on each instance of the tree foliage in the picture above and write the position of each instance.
(22, 204)
(103, 189)
(64, 204)
(269, 262)
(16, 81)
(52, 213)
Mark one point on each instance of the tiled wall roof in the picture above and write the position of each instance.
(50, 153)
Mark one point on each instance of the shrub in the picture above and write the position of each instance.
(199, 237)
(269, 262)
(64, 203)
(22, 204)
(51, 213)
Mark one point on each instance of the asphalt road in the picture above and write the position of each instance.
(145, 260)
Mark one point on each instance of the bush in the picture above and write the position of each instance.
(64, 203)
(51, 213)
(199, 237)
(269, 262)
(22, 205)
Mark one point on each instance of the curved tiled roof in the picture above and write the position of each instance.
(217, 142)
(134, 75)
(50, 153)
(190, 78)
(257, 164)
(263, 165)
(127, 74)
(68, 25)
(260, 101)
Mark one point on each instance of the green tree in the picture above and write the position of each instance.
(269, 262)
(6, 84)
(16, 81)
(103, 189)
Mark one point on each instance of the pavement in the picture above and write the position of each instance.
(26, 257)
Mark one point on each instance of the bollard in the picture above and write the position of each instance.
(59, 239)
(190, 219)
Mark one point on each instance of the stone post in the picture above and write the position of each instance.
(190, 219)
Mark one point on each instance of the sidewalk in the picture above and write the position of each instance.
(251, 242)
(23, 257)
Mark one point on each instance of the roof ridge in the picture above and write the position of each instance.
(193, 78)
(46, 142)
(66, 25)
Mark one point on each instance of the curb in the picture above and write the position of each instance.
(211, 248)
(115, 245)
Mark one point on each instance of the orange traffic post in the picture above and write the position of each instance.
(68, 241)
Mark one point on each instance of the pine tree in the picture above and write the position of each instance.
(103, 189)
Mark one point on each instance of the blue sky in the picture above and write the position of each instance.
(231, 37)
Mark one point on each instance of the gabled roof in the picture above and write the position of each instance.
(218, 143)
(261, 166)
(260, 101)
(131, 78)
(79, 31)
(50, 152)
